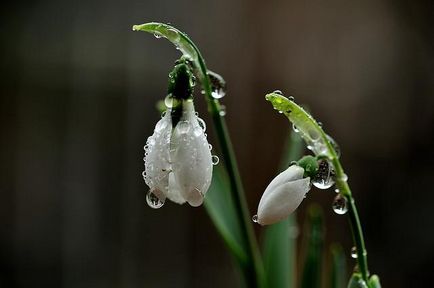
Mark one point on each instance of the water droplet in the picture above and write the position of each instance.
(354, 252)
(158, 36)
(173, 35)
(337, 190)
(201, 124)
(193, 81)
(153, 201)
(344, 177)
(197, 131)
(215, 159)
(168, 101)
(160, 125)
(314, 135)
(146, 147)
(334, 145)
(278, 92)
(255, 218)
(291, 98)
(183, 127)
(295, 128)
(324, 177)
(340, 205)
(222, 111)
(218, 85)
(319, 124)
(151, 141)
(144, 174)
(210, 147)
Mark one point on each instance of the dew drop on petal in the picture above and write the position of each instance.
(295, 128)
(354, 252)
(337, 190)
(291, 98)
(158, 36)
(340, 205)
(197, 131)
(255, 218)
(144, 174)
(324, 177)
(160, 126)
(215, 159)
(210, 147)
(153, 201)
(183, 127)
(201, 124)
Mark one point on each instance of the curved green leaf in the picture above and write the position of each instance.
(221, 209)
(313, 262)
(339, 267)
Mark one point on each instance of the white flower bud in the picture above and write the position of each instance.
(283, 195)
(178, 161)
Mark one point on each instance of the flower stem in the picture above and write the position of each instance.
(309, 130)
(253, 267)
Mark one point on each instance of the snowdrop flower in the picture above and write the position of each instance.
(282, 196)
(178, 161)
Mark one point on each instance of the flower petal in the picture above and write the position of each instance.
(174, 193)
(157, 157)
(191, 157)
(292, 173)
(278, 203)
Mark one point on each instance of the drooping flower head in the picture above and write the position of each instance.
(283, 195)
(178, 160)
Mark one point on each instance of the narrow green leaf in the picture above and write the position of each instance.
(279, 246)
(312, 265)
(339, 267)
(221, 209)
(374, 282)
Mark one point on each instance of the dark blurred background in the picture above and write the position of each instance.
(78, 94)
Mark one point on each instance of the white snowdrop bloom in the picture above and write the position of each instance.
(282, 196)
(178, 161)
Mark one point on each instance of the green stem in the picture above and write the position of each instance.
(254, 274)
(307, 126)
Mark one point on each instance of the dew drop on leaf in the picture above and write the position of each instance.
(354, 252)
(340, 205)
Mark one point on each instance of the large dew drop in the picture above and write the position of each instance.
(218, 85)
(324, 178)
(339, 205)
(153, 201)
